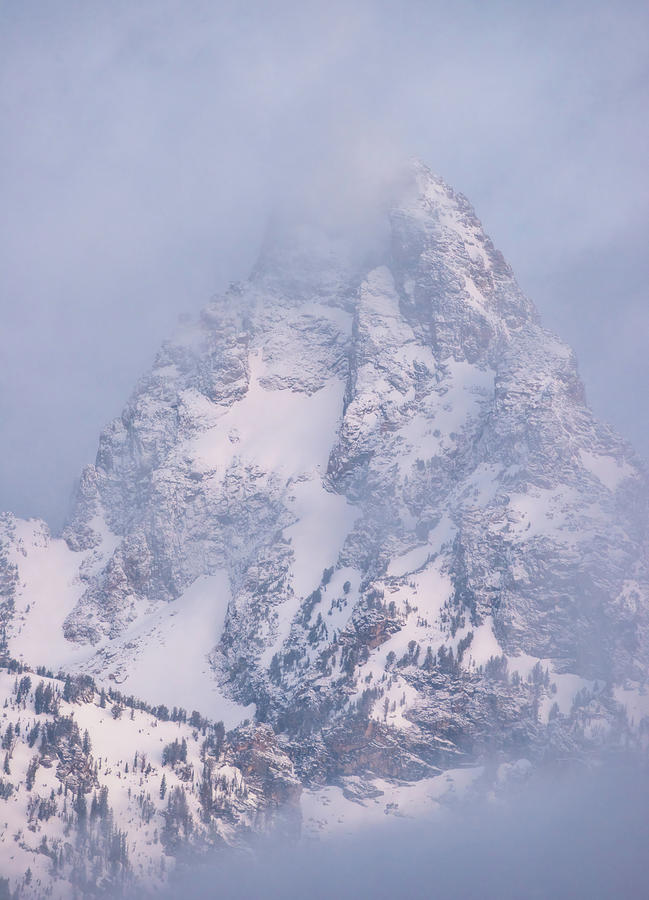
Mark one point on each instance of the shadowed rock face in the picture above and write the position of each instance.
(395, 466)
(257, 755)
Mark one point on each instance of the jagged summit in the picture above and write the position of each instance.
(306, 257)
(361, 499)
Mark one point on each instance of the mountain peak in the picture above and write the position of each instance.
(362, 501)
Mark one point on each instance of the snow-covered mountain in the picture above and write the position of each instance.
(363, 501)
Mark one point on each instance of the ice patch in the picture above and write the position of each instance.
(49, 587)
(610, 471)
(635, 699)
(564, 686)
(326, 812)
(276, 430)
(480, 488)
(450, 408)
(484, 644)
(409, 562)
(324, 519)
(335, 605)
(543, 511)
(163, 657)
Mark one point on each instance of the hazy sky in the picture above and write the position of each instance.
(144, 145)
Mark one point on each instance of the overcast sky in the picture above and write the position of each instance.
(144, 145)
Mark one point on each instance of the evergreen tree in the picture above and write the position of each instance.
(219, 735)
(32, 735)
(43, 698)
(81, 809)
(8, 737)
(177, 818)
(30, 778)
(205, 793)
(174, 752)
(102, 805)
(24, 688)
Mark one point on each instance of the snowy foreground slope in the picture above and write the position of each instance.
(362, 500)
(99, 793)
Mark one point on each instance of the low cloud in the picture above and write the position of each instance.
(563, 837)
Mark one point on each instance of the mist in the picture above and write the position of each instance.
(570, 835)
(145, 147)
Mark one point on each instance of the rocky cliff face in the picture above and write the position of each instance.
(365, 494)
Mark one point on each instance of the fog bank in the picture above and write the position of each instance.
(567, 836)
